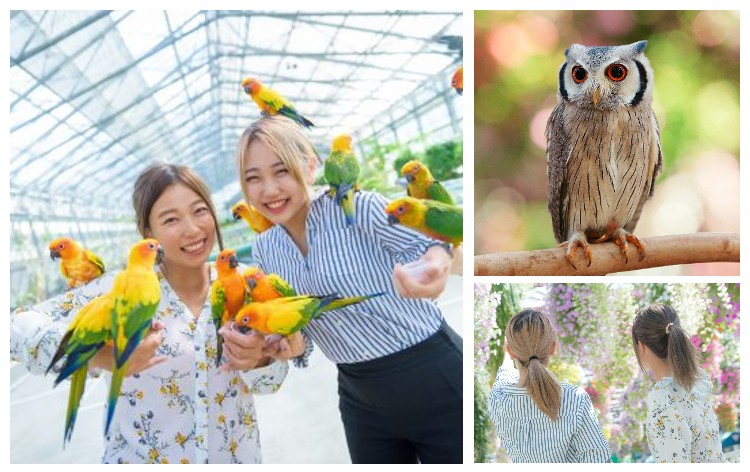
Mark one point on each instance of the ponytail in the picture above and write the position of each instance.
(530, 336)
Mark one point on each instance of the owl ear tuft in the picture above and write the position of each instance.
(640, 46)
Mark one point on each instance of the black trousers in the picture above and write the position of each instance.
(406, 407)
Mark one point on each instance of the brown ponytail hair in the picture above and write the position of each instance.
(658, 327)
(530, 336)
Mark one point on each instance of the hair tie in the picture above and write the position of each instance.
(533, 357)
(667, 328)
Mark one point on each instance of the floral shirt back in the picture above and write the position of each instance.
(682, 425)
(182, 410)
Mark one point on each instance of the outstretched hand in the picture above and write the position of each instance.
(425, 277)
(244, 351)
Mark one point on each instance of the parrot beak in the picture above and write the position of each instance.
(233, 262)
(243, 329)
(409, 177)
(248, 90)
(235, 216)
(460, 91)
(251, 283)
(392, 220)
(53, 254)
(159, 255)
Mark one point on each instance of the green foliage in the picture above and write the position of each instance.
(444, 159)
(482, 424)
(511, 295)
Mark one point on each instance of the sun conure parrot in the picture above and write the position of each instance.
(228, 293)
(434, 219)
(287, 315)
(421, 184)
(264, 287)
(136, 294)
(457, 81)
(251, 215)
(78, 265)
(271, 102)
(342, 172)
(89, 331)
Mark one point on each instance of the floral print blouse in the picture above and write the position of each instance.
(682, 425)
(183, 410)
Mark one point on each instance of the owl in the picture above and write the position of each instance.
(603, 149)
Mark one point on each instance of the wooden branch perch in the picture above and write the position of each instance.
(606, 257)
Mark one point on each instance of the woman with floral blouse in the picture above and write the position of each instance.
(681, 425)
(175, 405)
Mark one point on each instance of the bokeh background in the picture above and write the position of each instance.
(696, 58)
(593, 323)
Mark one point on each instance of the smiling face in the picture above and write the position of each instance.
(182, 223)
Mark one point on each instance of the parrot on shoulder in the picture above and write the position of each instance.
(228, 294)
(457, 81)
(254, 218)
(421, 184)
(136, 294)
(433, 219)
(271, 102)
(342, 172)
(89, 331)
(79, 266)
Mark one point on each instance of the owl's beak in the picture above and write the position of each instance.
(596, 95)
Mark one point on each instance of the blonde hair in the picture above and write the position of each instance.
(530, 336)
(284, 138)
(658, 327)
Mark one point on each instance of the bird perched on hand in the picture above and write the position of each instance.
(135, 297)
(228, 294)
(271, 102)
(79, 266)
(603, 149)
(421, 184)
(457, 81)
(342, 172)
(255, 219)
(434, 219)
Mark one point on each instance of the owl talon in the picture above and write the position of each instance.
(572, 244)
(622, 238)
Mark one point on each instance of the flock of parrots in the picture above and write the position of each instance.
(253, 300)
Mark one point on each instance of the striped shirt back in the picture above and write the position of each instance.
(531, 436)
(352, 261)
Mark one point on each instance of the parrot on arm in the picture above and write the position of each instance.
(457, 81)
(89, 331)
(433, 219)
(79, 266)
(271, 102)
(421, 184)
(342, 172)
(228, 294)
(136, 294)
(252, 216)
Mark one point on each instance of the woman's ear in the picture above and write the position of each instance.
(510, 353)
(553, 348)
(312, 164)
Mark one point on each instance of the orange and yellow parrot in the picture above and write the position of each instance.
(342, 172)
(434, 219)
(79, 266)
(457, 81)
(228, 294)
(421, 184)
(89, 331)
(263, 287)
(255, 219)
(136, 294)
(271, 102)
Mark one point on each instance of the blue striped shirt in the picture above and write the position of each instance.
(353, 261)
(531, 436)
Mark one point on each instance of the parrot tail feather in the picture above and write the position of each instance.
(78, 384)
(114, 394)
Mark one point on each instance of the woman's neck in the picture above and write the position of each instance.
(660, 370)
(296, 226)
(190, 285)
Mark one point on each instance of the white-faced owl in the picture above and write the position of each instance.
(603, 149)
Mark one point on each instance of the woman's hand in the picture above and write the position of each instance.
(143, 357)
(286, 348)
(244, 351)
(425, 277)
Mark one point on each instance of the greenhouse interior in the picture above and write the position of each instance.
(98, 96)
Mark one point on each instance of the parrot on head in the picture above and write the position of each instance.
(421, 184)
(89, 331)
(252, 216)
(271, 102)
(135, 297)
(228, 293)
(78, 265)
(457, 81)
(434, 219)
(342, 172)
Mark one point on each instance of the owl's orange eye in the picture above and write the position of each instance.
(617, 72)
(579, 74)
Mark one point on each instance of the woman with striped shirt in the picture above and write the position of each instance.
(539, 419)
(399, 363)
